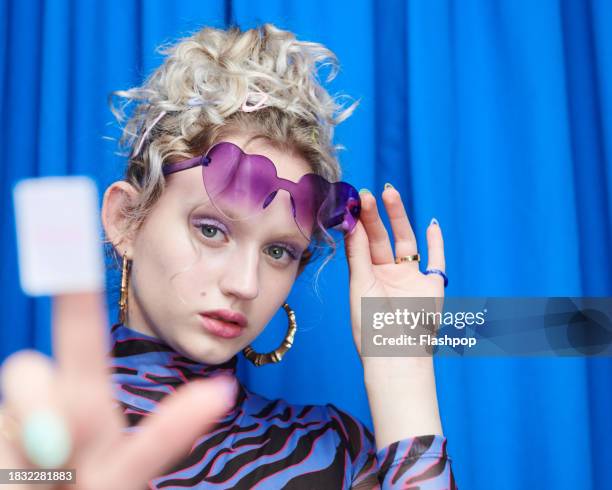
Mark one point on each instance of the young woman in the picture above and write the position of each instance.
(232, 188)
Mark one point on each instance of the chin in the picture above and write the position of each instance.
(207, 351)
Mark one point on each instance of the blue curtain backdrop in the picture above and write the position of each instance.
(493, 116)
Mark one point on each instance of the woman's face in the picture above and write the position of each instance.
(188, 258)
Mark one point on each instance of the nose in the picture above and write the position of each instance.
(241, 276)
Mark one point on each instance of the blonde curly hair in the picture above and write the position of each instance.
(195, 98)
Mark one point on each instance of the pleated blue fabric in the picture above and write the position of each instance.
(494, 117)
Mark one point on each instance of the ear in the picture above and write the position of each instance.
(117, 198)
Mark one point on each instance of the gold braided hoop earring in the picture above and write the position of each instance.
(276, 355)
(123, 300)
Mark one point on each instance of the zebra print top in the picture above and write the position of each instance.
(268, 444)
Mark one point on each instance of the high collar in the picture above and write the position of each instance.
(131, 348)
(145, 368)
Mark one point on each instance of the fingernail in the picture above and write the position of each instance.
(46, 439)
(388, 186)
(364, 191)
(434, 221)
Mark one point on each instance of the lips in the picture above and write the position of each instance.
(220, 328)
(227, 316)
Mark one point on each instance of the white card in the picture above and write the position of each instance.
(58, 234)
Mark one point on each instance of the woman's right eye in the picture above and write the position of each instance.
(209, 230)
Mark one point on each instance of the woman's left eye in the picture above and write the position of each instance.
(278, 250)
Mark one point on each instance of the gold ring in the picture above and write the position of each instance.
(408, 258)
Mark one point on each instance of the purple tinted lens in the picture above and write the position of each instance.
(342, 208)
(334, 205)
(237, 183)
(220, 171)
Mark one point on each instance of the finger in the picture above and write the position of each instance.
(378, 238)
(81, 343)
(11, 454)
(357, 250)
(29, 390)
(9, 457)
(178, 421)
(435, 247)
(80, 337)
(27, 386)
(93, 415)
(403, 234)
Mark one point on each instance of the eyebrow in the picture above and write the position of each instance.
(291, 236)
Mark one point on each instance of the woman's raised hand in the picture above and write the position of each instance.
(75, 387)
(371, 259)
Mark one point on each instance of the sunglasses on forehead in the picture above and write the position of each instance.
(241, 185)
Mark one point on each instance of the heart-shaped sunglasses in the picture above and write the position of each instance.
(240, 185)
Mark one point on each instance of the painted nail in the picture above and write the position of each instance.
(364, 191)
(434, 221)
(388, 186)
(46, 439)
